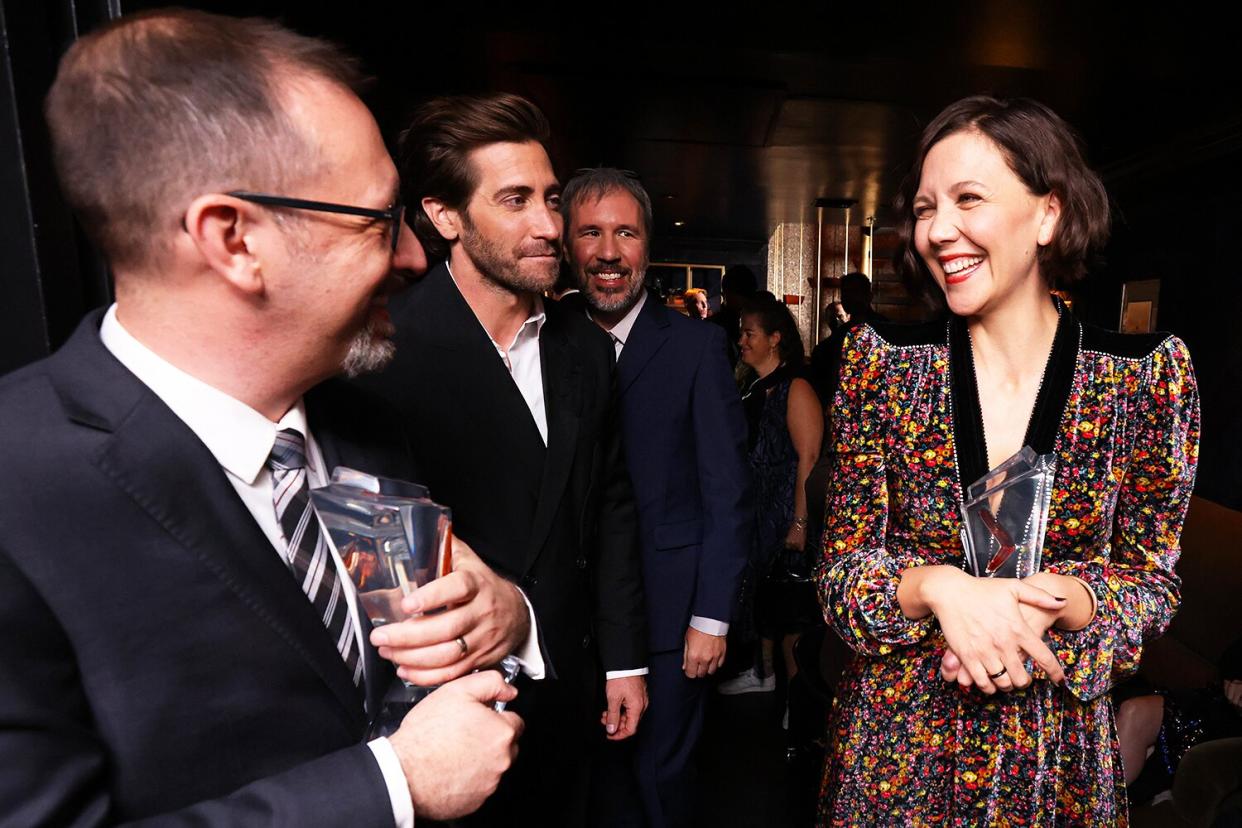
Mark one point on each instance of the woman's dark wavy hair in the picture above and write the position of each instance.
(774, 317)
(1047, 156)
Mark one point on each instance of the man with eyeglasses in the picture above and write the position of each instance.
(521, 393)
(179, 642)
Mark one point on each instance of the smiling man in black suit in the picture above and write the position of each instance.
(520, 394)
(179, 643)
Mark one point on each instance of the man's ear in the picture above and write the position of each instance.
(224, 230)
(1048, 224)
(446, 219)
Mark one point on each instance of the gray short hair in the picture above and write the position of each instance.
(595, 183)
(157, 108)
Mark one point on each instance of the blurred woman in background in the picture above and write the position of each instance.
(785, 426)
(695, 300)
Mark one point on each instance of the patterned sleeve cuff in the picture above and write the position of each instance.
(865, 609)
(1088, 666)
(1087, 655)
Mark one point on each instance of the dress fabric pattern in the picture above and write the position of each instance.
(907, 748)
(774, 470)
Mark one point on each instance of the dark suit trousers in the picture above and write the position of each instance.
(550, 781)
(666, 739)
(648, 781)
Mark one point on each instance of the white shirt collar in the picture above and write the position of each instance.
(239, 437)
(537, 318)
(621, 330)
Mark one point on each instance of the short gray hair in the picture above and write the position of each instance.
(157, 108)
(596, 182)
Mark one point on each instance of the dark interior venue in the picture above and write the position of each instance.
(781, 147)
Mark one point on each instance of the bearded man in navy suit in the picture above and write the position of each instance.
(684, 437)
(160, 660)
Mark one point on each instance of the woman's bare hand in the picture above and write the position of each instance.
(991, 627)
(795, 538)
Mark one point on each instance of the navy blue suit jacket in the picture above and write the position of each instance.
(157, 659)
(685, 446)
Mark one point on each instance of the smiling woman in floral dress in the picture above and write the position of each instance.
(977, 701)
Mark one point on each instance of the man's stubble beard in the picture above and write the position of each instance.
(501, 269)
(370, 350)
(613, 302)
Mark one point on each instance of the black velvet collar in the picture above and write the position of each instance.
(1054, 391)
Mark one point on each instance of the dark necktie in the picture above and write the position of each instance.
(307, 555)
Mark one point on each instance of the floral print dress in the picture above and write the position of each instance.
(906, 748)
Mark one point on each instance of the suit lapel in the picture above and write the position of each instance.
(648, 336)
(562, 396)
(480, 379)
(163, 467)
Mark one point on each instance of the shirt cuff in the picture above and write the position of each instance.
(394, 778)
(616, 674)
(529, 654)
(709, 626)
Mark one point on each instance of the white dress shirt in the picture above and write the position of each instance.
(620, 332)
(241, 440)
(521, 357)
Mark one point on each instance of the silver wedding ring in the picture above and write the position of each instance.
(461, 642)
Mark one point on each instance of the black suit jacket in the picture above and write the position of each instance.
(685, 446)
(558, 520)
(157, 658)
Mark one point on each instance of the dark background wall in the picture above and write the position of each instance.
(49, 277)
(1179, 220)
(735, 133)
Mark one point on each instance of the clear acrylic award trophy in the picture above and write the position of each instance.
(1005, 514)
(392, 539)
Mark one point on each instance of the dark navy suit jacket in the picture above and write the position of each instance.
(685, 446)
(156, 657)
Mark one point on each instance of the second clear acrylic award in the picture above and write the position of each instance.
(1005, 515)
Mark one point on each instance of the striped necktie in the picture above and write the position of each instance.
(307, 556)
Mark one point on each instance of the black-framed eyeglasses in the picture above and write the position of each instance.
(394, 215)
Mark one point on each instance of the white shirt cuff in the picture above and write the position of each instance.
(394, 778)
(709, 626)
(616, 674)
(528, 654)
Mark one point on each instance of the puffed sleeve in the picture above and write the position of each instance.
(1136, 590)
(858, 577)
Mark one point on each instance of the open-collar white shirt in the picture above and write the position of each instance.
(620, 332)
